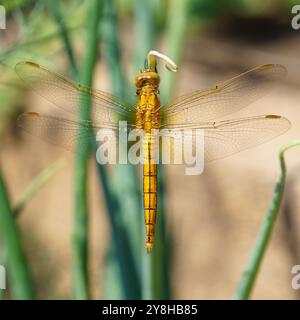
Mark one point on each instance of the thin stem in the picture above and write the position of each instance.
(177, 17)
(18, 272)
(124, 253)
(145, 35)
(55, 6)
(264, 235)
(145, 31)
(120, 190)
(174, 41)
(81, 280)
(27, 195)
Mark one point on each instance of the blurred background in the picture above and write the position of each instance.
(207, 224)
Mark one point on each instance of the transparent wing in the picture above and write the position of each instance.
(62, 132)
(225, 98)
(225, 138)
(67, 94)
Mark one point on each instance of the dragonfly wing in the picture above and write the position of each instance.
(63, 132)
(224, 138)
(225, 98)
(69, 95)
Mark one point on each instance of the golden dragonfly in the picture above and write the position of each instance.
(198, 109)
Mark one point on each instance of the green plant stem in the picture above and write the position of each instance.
(145, 31)
(18, 272)
(174, 42)
(81, 280)
(145, 41)
(55, 6)
(27, 195)
(249, 276)
(156, 268)
(121, 193)
(177, 17)
(129, 274)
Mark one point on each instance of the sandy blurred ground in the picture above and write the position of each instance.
(215, 217)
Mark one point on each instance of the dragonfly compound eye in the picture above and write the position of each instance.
(146, 78)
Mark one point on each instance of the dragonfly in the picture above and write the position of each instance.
(197, 110)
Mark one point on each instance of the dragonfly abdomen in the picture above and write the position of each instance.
(150, 188)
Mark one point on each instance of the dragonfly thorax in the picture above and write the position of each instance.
(147, 115)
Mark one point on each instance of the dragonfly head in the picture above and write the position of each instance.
(147, 77)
